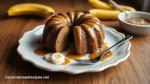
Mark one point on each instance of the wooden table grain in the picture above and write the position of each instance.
(135, 70)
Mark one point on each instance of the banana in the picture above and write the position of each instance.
(105, 14)
(99, 4)
(105, 11)
(102, 5)
(47, 57)
(30, 9)
(55, 58)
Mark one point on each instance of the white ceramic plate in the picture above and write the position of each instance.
(27, 45)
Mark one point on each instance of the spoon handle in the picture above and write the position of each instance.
(127, 37)
(117, 6)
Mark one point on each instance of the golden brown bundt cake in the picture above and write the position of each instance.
(77, 30)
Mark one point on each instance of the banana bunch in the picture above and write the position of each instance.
(30, 9)
(106, 11)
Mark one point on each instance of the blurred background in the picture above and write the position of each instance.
(74, 4)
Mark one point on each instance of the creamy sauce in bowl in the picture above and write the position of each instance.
(138, 21)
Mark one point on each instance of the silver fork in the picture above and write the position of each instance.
(98, 58)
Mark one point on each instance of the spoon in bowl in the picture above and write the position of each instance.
(117, 6)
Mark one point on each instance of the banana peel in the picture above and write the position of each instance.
(103, 10)
(30, 9)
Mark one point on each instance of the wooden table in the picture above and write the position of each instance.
(135, 70)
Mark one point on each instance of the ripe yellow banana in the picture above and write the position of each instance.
(99, 4)
(30, 9)
(106, 11)
(105, 14)
(102, 5)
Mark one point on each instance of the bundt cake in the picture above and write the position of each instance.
(80, 31)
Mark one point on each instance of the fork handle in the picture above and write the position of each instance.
(127, 37)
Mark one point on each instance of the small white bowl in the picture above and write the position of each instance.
(133, 28)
